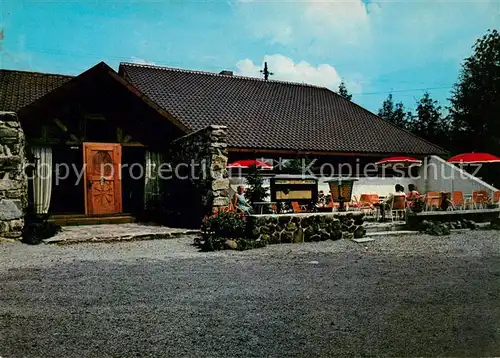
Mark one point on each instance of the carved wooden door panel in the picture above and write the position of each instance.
(103, 191)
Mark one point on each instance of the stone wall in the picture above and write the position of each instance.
(199, 184)
(295, 228)
(13, 182)
(414, 220)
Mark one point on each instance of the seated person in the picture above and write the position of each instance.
(413, 195)
(240, 202)
(446, 202)
(387, 203)
(321, 199)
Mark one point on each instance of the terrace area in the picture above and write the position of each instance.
(441, 192)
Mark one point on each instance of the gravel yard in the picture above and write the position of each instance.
(397, 296)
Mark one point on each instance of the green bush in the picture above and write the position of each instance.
(37, 228)
(219, 227)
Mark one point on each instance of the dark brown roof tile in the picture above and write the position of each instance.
(20, 88)
(272, 114)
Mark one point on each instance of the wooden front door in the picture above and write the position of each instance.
(103, 190)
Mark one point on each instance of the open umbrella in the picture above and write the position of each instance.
(395, 160)
(247, 163)
(474, 158)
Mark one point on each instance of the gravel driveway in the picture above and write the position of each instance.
(399, 296)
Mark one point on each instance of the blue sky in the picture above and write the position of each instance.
(376, 47)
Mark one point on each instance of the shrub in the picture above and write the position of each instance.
(219, 227)
(38, 228)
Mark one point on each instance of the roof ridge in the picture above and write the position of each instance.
(302, 84)
(36, 73)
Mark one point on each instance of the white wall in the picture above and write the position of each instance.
(440, 175)
(381, 186)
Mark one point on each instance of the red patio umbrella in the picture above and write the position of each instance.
(394, 160)
(474, 158)
(247, 163)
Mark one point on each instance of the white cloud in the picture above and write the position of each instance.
(283, 22)
(141, 61)
(355, 32)
(345, 20)
(285, 69)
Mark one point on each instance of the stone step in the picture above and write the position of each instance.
(70, 220)
(391, 233)
(384, 227)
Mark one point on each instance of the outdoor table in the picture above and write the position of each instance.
(262, 204)
(378, 209)
(467, 201)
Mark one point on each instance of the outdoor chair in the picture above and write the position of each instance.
(354, 204)
(480, 198)
(332, 205)
(432, 200)
(298, 208)
(496, 197)
(458, 199)
(231, 208)
(374, 198)
(366, 204)
(398, 207)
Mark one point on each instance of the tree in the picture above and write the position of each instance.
(400, 117)
(394, 113)
(343, 91)
(256, 191)
(475, 101)
(387, 109)
(429, 123)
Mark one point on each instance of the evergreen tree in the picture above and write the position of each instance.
(394, 113)
(475, 101)
(400, 116)
(296, 165)
(343, 91)
(256, 191)
(429, 123)
(387, 109)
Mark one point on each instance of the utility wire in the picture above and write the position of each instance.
(165, 63)
(402, 90)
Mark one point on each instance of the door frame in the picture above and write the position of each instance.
(117, 156)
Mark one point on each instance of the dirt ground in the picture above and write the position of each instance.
(397, 296)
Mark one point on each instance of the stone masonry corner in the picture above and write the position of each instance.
(13, 181)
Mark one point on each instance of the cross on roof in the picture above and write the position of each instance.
(266, 72)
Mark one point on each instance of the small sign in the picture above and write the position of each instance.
(294, 194)
(295, 182)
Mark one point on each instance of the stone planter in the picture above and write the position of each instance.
(296, 228)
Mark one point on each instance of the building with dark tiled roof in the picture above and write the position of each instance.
(263, 116)
(272, 115)
(20, 88)
(122, 117)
